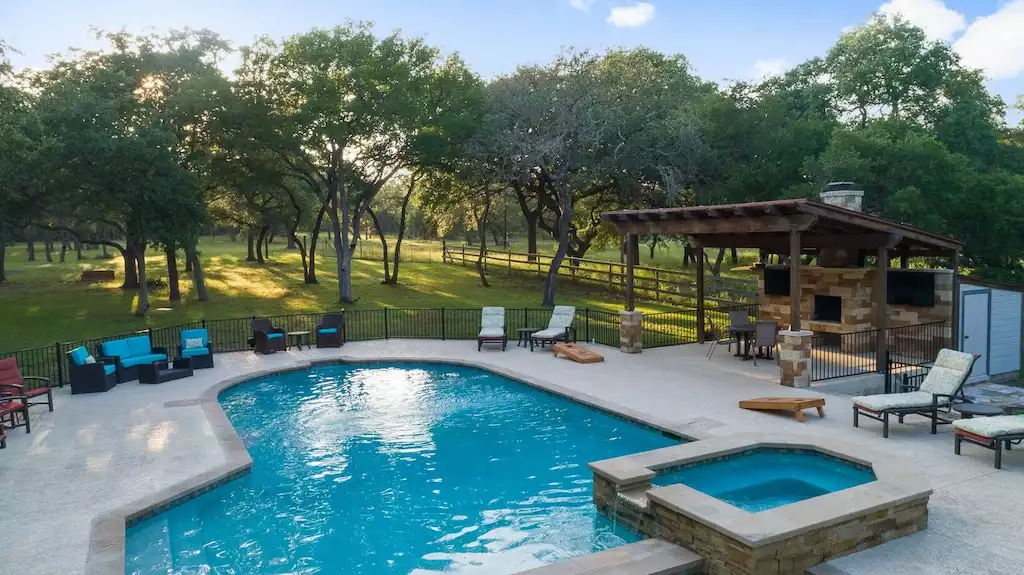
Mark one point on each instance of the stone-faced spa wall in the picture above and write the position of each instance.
(856, 286)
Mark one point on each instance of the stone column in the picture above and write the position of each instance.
(631, 336)
(795, 358)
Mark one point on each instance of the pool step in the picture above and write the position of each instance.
(647, 557)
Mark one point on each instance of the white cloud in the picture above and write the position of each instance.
(583, 5)
(631, 16)
(769, 67)
(932, 16)
(995, 43)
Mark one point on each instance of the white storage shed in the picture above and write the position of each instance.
(990, 325)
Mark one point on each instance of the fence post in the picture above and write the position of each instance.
(204, 323)
(509, 254)
(60, 364)
(442, 324)
(587, 336)
(526, 317)
(657, 285)
(385, 323)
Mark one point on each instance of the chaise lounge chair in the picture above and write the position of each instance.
(13, 383)
(989, 432)
(943, 383)
(559, 327)
(492, 327)
(267, 338)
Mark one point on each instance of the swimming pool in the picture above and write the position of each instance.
(396, 468)
(765, 478)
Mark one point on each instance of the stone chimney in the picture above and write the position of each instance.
(843, 195)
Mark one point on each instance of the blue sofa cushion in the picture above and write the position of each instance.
(329, 330)
(275, 336)
(142, 359)
(187, 334)
(139, 345)
(116, 348)
(109, 369)
(195, 352)
(79, 354)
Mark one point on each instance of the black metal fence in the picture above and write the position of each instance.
(680, 327)
(912, 350)
(835, 355)
(227, 335)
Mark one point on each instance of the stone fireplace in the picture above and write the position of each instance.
(828, 308)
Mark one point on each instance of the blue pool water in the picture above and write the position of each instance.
(396, 469)
(762, 479)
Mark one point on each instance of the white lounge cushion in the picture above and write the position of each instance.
(493, 317)
(492, 332)
(997, 426)
(897, 400)
(950, 370)
(549, 333)
(561, 317)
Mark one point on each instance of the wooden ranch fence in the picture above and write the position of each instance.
(653, 283)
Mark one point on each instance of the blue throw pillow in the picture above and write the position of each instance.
(79, 354)
(329, 330)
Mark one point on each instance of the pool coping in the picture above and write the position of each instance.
(107, 536)
(895, 484)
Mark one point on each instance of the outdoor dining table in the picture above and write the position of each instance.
(743, 333)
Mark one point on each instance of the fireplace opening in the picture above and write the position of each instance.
(828, 308)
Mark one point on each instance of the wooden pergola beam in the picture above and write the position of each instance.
(809, 240)
(696, 227)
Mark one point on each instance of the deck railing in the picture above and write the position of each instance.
(835, 355)
(227, 335)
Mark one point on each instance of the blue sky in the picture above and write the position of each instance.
(723, 39)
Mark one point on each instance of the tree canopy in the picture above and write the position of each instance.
(148, 140)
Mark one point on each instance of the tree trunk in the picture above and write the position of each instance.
(143, 304)
(716, 269)
(131, 268)
(105, 254)
(63, 249)
(188, 264)
(199, 279)
(531, 235)
(78, 249)
(339, 226)
(31, 250)
(292, 244)
(734, 256)
(260, 243)
(3, 259)
(565, 197)
(251, 256)
(383, 246)
(172, 273)
(48, 247)
(313, 238)
(401, 228)
(481, 226)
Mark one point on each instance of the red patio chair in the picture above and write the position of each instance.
(10, 407)
(13, 383)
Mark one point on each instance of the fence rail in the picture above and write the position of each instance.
(835, 355)
(655, 283)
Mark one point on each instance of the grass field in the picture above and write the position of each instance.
(44, 302)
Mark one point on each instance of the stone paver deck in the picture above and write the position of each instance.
(99, 452)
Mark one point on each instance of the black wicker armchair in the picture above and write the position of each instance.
(92, 377)
(331, 331)
(267, 338)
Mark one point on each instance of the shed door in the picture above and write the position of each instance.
(975, 330)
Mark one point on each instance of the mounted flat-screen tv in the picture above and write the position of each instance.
(776, 281)
(908, 287)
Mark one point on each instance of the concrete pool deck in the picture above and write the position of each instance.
(102, 452)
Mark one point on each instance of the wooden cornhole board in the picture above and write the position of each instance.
(577, 353)
(795, 404)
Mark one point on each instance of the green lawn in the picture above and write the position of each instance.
(44, 302)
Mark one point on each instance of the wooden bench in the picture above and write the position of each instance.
(797, 405)
(93, 276)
